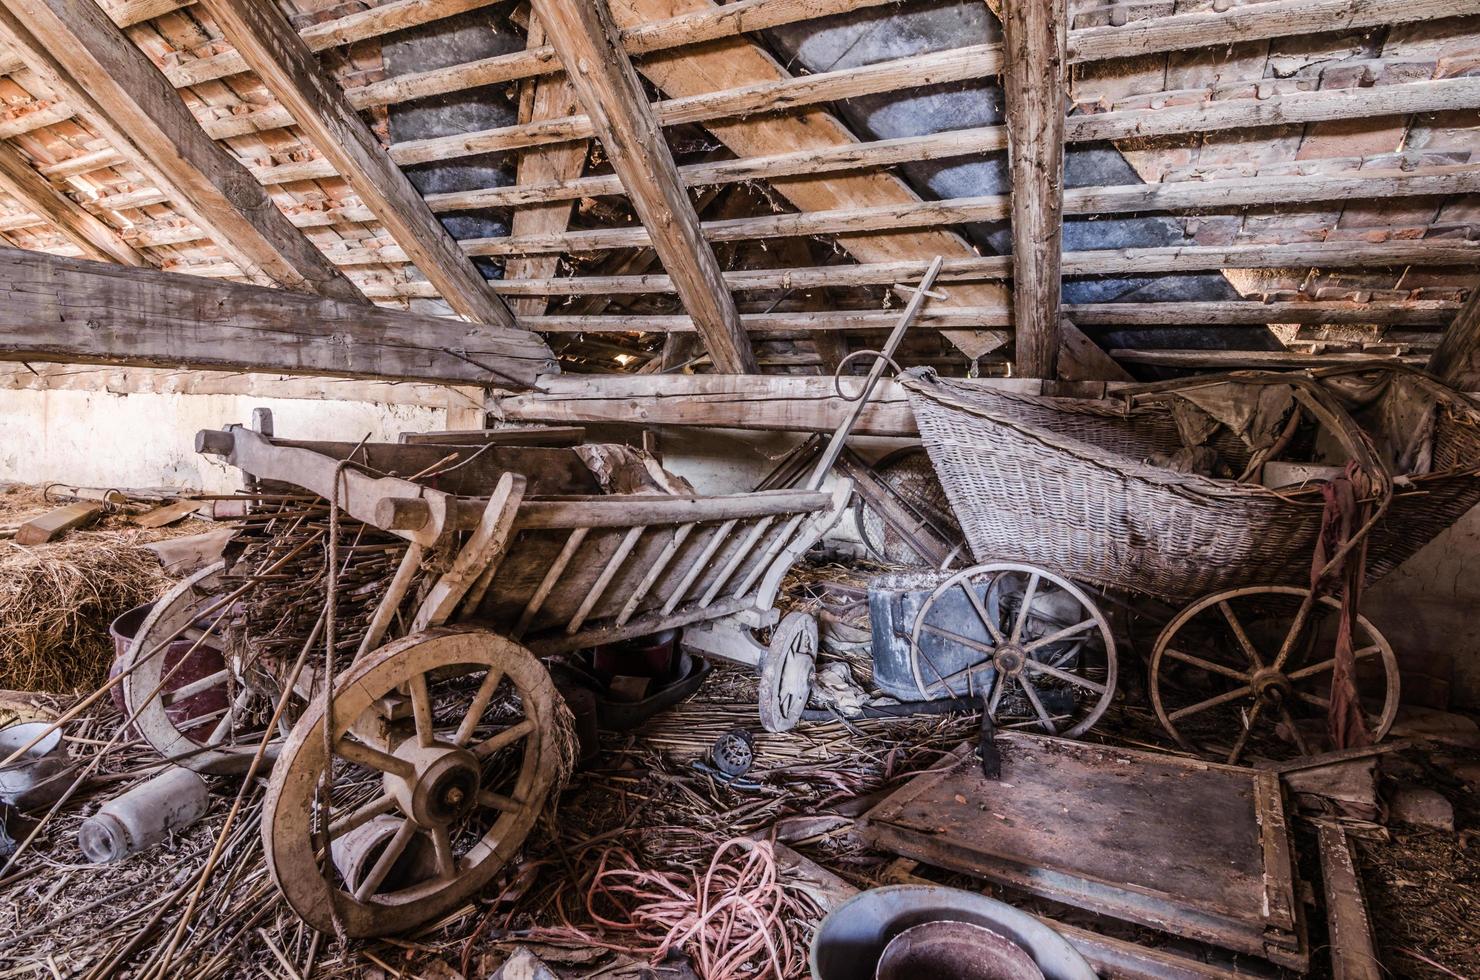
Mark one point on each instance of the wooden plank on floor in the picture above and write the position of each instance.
(55, 524)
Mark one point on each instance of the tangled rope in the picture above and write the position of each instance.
(737, 919)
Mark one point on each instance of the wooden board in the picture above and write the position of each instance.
(53, 525)
(1353, 952)
(1192, 848)
(167, 514)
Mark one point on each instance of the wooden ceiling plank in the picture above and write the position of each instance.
(75, 311)
(1190, 195)
(1035, 85)
(97, 240)
(85, 59)
(587, 39)
(1243, 113)
(284, 63)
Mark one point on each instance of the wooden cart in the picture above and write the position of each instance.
(447, 739)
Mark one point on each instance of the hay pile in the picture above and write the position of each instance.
(56, 601)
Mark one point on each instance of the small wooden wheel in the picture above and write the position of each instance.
(1030, 642)
(1251, 668)
(449, 733)
(787, 671)
(195, 705)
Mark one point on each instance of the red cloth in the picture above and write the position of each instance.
(1345, 513)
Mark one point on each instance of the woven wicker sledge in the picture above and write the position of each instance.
(1066, 483)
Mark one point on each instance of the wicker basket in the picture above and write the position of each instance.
(1064, 483)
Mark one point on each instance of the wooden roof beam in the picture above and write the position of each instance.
(86, 60)
(96, 239)
(290, 70)
(1035, 84)
(1456, 362)
(589, 44)
(74, 311)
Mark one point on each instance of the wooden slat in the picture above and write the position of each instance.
(1456, 361)
(1035, 86)
(59, 309)
(1115, 199)
(285, 64)
(84, 58)
(629, 541)
(1210, 116)
(1456, 253)
(1353, 949)
(656, 569)
(1235, 359)
(88, 232)
(552, 575)
(54, 524)
(587, 39)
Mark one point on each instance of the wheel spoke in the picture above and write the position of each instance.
(1315, 699)
(965, 641)
(1243, 736)
(497, 801)
(1295, 732)
(168, 698)
(446, 860)
(226, 724)
(981, 612)
(966, 672)
(999, 683)
(1208, 665)
(1201, 706)
(1061, 635)
(1022, 616)
(421, 709)
(503, 739)
(1240, 635)
(1320, 668)
(387, 860)
(382, 804)
(1032, 694)
(1064, 675)
(475, 710)
(1296, 627)
(371, 758)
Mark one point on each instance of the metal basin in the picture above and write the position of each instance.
(852, 940)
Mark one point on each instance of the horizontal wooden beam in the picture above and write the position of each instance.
(1228, 360)
(96, 239)
(1439, 252)
(716, 401)
(1223, 313)
(73, 311)
(1187, 195)
(1301, 107)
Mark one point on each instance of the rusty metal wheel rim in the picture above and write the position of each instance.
(1264, 686)
(310, 882)
(1009, 655)
(191, 747)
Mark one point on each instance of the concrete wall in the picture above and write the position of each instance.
(97, 438)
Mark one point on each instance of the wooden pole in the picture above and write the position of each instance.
(1456, 362)
(1034, 82)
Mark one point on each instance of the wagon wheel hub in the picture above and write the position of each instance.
(1009, 659)
(1272, 685)
(443, 788)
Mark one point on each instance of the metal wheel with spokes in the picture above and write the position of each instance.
(195, 703)
(1031, 642)
(1249, 671)
(444, 752)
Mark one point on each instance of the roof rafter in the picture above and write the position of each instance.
(587, 39)
(88, 232)
(86, 60)
(290, 70)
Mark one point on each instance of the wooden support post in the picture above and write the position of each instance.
(1457, 360)
(88, 232)
(290, 70)
(588, 42)
(1036, 87)
(85, 60)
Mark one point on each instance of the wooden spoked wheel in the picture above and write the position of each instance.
(196, 703)
(787, 672)
(1030, 642)
(446, 741)
(1248, 671)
